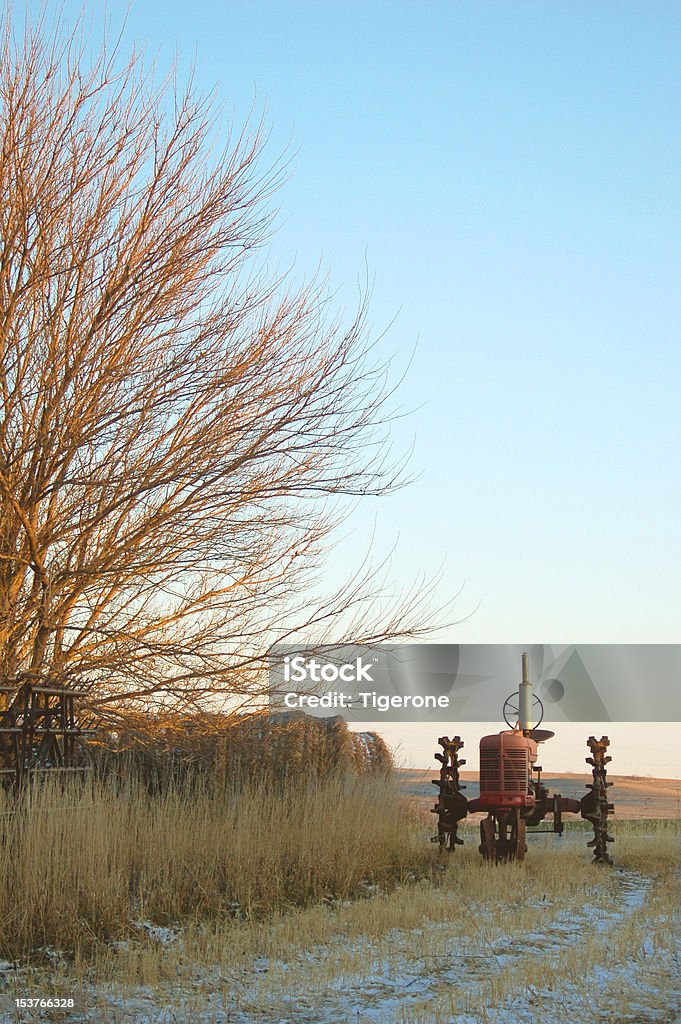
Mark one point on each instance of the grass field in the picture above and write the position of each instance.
(324, 904)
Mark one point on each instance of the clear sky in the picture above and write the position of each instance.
(511, 173)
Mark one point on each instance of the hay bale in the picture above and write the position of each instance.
(268, 746)
(371, 753)
(294, 744)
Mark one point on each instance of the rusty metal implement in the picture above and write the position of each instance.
(511, 790)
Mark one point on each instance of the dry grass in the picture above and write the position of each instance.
(477, 939)
(652, 845)
(79, 867)
(257, 890)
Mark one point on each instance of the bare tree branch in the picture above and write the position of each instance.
(176, 428)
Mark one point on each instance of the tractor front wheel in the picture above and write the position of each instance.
(503, 837)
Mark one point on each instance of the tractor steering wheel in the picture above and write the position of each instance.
(512, 709)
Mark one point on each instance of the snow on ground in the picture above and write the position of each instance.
(403, 978)
(406, 977)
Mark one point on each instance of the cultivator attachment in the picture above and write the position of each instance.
(594, 807)
(451, 804)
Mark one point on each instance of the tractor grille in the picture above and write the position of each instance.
(515, 770)
(489, 771)
(514, 778)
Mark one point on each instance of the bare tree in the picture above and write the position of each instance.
(176, 427)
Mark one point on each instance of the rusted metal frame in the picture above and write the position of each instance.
(38, 726)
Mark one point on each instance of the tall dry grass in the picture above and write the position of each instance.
(82, 865)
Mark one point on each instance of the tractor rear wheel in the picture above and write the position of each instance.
(488, 845)
(521, 847)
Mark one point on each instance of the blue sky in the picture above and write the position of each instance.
(511, 173)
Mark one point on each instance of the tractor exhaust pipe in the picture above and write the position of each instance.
(525, 694)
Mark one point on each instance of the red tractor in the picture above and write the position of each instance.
(511, 790)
